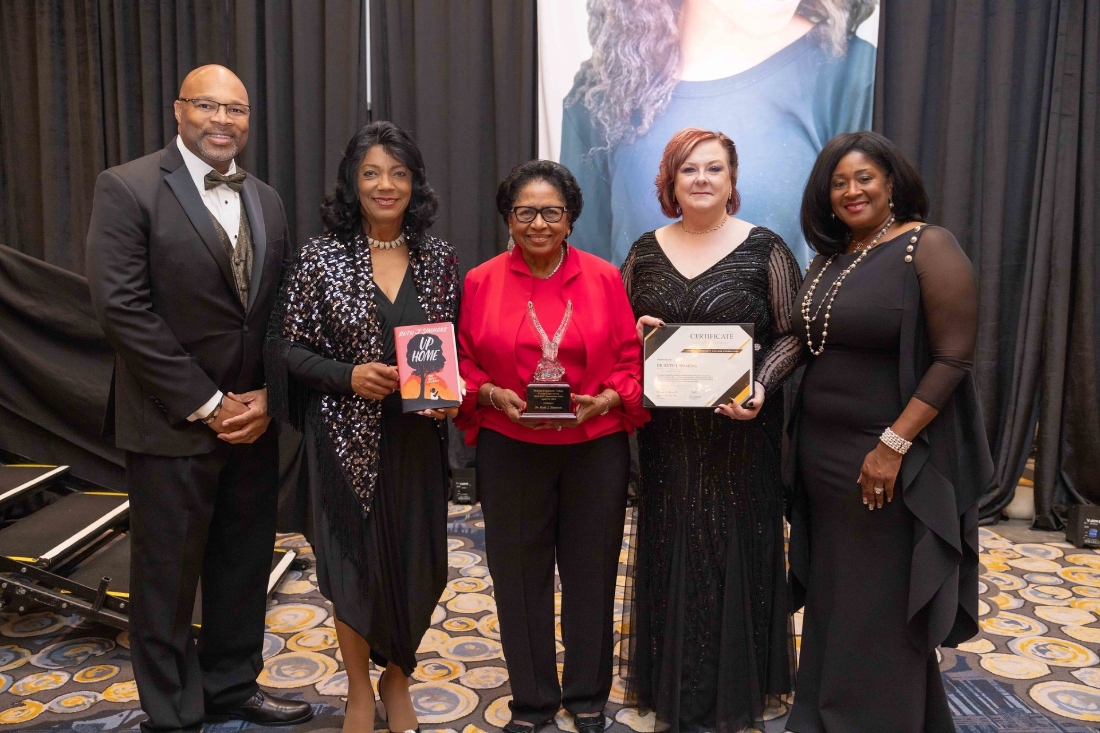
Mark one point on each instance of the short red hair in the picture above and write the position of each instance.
(676, 152)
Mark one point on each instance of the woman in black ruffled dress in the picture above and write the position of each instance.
(883, 549)
(709, 637)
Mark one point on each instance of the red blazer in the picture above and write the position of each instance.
(494, 309)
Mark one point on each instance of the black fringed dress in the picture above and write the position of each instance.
(376, 475)
(710, 629)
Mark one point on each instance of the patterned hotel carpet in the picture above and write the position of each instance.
(1033, 668)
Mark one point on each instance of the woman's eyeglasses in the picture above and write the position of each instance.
(550, 214)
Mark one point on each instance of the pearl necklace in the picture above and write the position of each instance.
(831, 292)
(561, 259)
(714, 228)
(392, 244)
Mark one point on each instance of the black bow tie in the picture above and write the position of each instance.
(214, 179)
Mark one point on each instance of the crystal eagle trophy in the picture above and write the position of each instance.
(548, 395)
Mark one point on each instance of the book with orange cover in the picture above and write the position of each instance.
(427, 366)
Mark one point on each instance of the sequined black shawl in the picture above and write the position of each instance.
(326, 304)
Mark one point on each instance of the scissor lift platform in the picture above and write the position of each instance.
(73, 555)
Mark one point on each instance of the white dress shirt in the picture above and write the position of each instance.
(225, 204)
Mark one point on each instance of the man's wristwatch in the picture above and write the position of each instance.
(213, 414)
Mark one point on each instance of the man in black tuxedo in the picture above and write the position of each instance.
(185, 255)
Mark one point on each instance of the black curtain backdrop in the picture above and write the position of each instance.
(997, 101)
(51, 119)
(460, 76)
(88, 84)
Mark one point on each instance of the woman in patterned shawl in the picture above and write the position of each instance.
(377, 476)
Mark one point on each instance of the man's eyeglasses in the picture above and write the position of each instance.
(209, 108)
(550, 214)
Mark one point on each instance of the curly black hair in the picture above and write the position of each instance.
(827, 234)
(556, 174)
(341, 212)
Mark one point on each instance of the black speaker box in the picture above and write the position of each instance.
(1083, 526)
(465, 486)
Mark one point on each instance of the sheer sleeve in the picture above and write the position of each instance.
(949, 302)
(626, 270)
(786, 352)
(317, 372)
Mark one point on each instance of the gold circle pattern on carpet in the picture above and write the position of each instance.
(441, 702)
(1012, 624)
(1004, 581)
(96, 673)
(293, 617)
(1064, 616)
(122, 692)
(33, 624)
(438, 670)
(497, 713)
(1057, 652)
(34, 684)
(1066, 698)
(1014, 666)
(468, 585)
(296, 669)
(459, 624)
(485, 678)
(471, 649)
(1081, 575)
(1082, 633)
(470, 603)
(13, 657)
(1046, 595)
(316, 639)
(22, 712)
(73, 702)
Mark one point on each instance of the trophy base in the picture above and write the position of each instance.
(549, 401)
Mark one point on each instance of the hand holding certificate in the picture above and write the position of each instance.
(698, 365)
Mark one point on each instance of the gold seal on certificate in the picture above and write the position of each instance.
(698, 365)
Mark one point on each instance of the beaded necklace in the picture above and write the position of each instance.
(833, 289)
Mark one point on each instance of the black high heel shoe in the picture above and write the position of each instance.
(380, 707)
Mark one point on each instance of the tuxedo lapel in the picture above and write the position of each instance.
(250, 196)
(181, 183)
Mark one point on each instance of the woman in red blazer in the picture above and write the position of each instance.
(551, 490)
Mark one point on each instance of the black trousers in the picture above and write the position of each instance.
(209, 516)
(547, 502)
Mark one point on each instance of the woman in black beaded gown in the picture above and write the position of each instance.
(710, 633)
(888, 453)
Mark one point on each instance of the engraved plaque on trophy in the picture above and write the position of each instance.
(549, 397)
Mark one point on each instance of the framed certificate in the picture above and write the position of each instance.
(698, 365)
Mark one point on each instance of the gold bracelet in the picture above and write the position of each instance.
(608, 408)
(491, 399)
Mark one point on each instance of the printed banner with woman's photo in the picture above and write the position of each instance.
(618, 78)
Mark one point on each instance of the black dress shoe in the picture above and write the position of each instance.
(515, 727)
(589, 723)
(263, 709)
